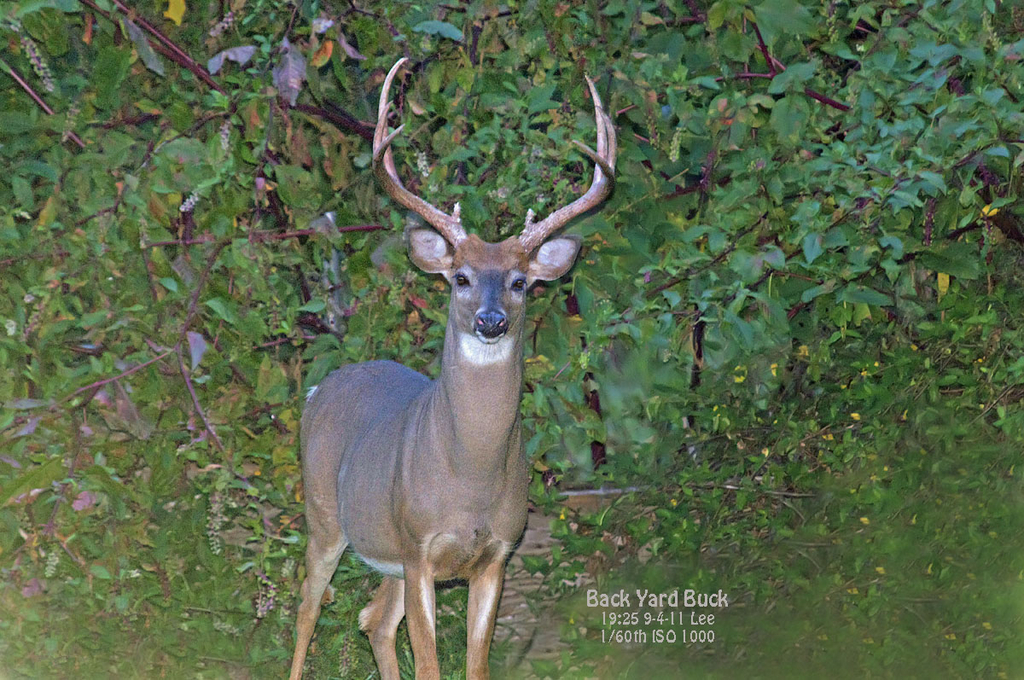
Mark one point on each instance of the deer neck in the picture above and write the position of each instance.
(480, 388)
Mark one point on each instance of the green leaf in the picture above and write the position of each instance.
(221, 309)
(92, 318)
(146, 53)
(793, 78)
(856, 293)
(815, 291)
(783, 17)
(23, 192)
(789, 117)
(15, 123)
(534, 564)
(812, 247)
(39, 477)
(441, 28)
(296, 186)
(67, 6)
(774, 257)
(956, 259)
(894, 243)
(748, 265)
(99, 571)
(39, 169)
(540, 99)
(109, 71)
(315, 306)
(722, 11)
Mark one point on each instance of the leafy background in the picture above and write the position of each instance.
(794, 332)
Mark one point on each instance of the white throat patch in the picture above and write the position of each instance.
(480, 353)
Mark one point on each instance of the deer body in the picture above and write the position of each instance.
(427, 480)
(475, 508)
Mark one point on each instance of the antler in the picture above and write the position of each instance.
(450, 226)
(535, 233)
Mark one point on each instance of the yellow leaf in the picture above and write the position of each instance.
(48, 213)
(943, 284)
(175, 10)
(323, 54)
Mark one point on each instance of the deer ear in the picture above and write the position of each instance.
(554, 258)
(430, 251)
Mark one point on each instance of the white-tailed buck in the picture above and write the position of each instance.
(427, 480)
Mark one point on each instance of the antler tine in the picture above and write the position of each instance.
(535, 233)
(449, 226)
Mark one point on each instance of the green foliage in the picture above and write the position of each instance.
(794, 328)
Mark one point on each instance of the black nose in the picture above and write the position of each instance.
(491, 324)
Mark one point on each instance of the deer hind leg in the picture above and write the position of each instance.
(326, 544)
(380, 621)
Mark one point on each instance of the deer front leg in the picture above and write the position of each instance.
(484, 591)
(419, 614)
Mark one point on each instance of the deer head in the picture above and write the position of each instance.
(489, 280)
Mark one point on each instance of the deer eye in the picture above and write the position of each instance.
(461, 280)
(519, 285)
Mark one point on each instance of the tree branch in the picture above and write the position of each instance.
(194, 303)
(195, 401)
(36, 98)
(718, 258)
(165, 45)
(343, 119)
(264, 236)
(775, 67)
(828, 101)
(122, 374)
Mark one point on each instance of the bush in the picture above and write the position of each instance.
(793, 332)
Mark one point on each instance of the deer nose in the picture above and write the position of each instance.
(491, 324)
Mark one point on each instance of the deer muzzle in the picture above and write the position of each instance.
(490, 324)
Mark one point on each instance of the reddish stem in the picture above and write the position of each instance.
(122, 374)
(37, 99)
(263, 236)
(828, 101)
